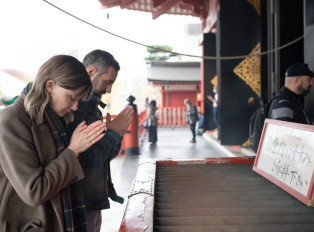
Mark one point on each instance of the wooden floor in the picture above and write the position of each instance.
(172, 143)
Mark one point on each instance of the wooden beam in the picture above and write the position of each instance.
(127, 3)
(164, 8)
(157, 3)
(199, 7)
(109, 3)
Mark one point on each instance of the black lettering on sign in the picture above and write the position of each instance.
(286, 155)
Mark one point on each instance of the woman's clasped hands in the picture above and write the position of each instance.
(84, 136)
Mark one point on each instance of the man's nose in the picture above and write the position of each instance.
(108, 89)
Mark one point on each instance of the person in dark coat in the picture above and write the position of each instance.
(191, 117)
(97, 185)
(289, 102)
(152, 121)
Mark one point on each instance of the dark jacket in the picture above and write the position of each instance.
(192, 114)
(294, 102)
(97, 185)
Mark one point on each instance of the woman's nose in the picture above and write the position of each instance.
(74, 105)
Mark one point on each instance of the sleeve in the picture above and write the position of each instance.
(105, 149)
(34, 182)
(193, 110)
(188, 110)
(282, 110)
(116, 148)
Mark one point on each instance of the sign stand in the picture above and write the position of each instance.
(285, 157)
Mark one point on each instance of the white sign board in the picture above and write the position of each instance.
(286, 157)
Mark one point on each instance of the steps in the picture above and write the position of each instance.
(228, 198)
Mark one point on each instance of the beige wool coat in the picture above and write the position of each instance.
(31, 177)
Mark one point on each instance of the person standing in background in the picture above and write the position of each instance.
(288, 104)
(152, 121)
(214, 100)
(191, 117)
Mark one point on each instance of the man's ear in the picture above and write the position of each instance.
(92, 71)
(50, 85)
(298, 80)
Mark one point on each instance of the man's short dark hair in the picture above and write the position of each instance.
(101, 59)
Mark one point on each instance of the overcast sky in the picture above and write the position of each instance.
(32, 31)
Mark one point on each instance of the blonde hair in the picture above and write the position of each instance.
(67, 72)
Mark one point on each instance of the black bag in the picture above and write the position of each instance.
(257, 123)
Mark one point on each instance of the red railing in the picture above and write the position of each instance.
(172, 117)
(167, 117)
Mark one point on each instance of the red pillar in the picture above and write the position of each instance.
(131, 137)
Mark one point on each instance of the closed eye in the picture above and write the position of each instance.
(73, 98)
(108, 82)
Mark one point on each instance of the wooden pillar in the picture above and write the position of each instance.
(209, 70)
(239, 79)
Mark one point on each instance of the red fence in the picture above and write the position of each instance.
(167, 117)
(172, 117)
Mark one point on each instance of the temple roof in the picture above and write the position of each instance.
(198, 8)
(161, 71)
